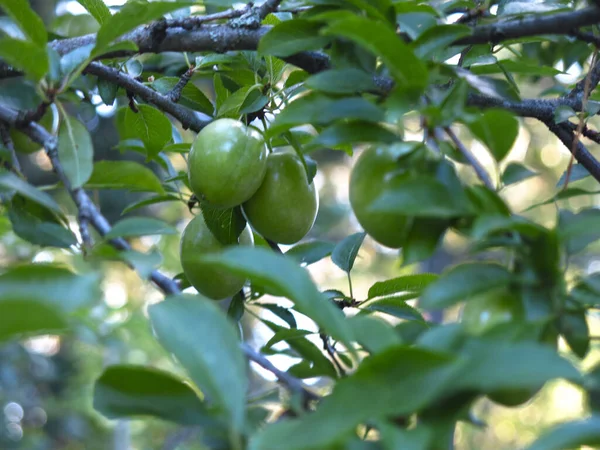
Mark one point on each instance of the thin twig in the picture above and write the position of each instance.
(586, 131)
(175, 94)
(583, 156)
(285, 378)
(479, 170)
(192, 22)
(590, 82)
(331, 352)
(267, 8)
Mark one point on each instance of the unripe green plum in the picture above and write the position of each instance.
(372, 173)
(484, 312)
(197, 240)
(21, 141)
(285, 206)
(227, 163)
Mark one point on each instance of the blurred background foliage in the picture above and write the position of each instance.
(46, 382)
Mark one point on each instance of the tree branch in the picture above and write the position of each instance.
(187, 117)
(84, 204)
(267, 8)
(559, 23)
(285, 378)
(88, 210)
(479, 170)
(581, 154)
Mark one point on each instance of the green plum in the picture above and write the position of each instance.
(372, 173)
(197, 239)
(227, 163)
(285, 206)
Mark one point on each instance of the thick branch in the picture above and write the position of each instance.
(559, 23)
(187, 117)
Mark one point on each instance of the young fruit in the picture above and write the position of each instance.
(285, 206)
(197, 239)
(486, 311)
(371, 175)
(227, 163)
(22, 143)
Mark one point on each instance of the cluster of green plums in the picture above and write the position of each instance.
(229, 166)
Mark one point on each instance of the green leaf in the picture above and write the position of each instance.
(236, 309)
(319, 365)
(225, 224)
(52, 285)
(139, 226)
(75, 151)
(578, 172)
(497, 129)
(26, 56)
(397, 381)
(21, 318)
(353, 132)
(150, 201)
(522, 67)
(423, 239)
(149, 125)
(310, 252)
(462, 282)
(318, 109)
(436, 39)
(127, 391)
(107, 91)
(124, 175)
(283, 277)
(191, 96)
(419, 197)
(142, 263)
(579, 230)
(70, 25)
(291, 37)
(494, 366)
(28, 21)
(374, 335)
(204, 341)
(9, 180)
(97, 9)
(40, 227)
(516, 172)
(406, 283)
(131, 15)
(283, 313)
(342, 81)
(395, 306)
(346, 251)
(382, 41)
(570, 435)
(574, 328)
(563, 113)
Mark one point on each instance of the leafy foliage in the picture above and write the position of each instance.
(451, 90)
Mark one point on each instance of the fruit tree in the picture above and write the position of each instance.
(299, 224)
